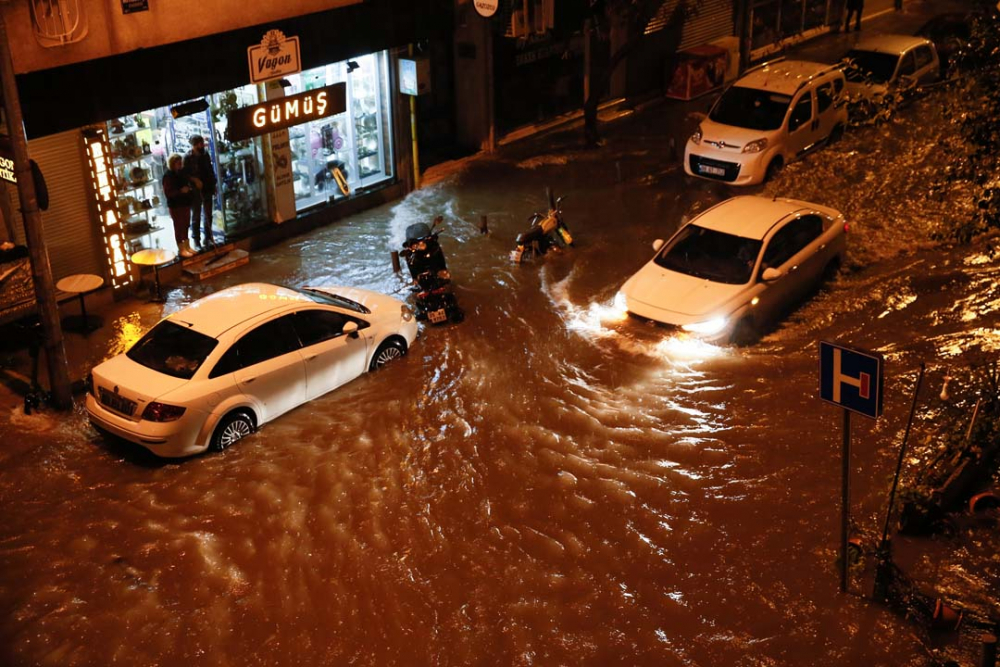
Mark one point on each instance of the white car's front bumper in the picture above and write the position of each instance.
(729, 166)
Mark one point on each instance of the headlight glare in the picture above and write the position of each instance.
(755, 146)
(706, 328)
(406, 313)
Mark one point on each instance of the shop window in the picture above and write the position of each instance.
(334, 157)
(140, 146)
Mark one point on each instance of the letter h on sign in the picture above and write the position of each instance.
(851, 379)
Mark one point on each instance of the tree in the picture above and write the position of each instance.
(630, 17)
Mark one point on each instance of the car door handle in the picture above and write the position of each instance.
(249, 380)
(312, 357)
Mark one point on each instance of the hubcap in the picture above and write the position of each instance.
(387, 355)
(233, 432)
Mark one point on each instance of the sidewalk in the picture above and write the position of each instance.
(124, 321)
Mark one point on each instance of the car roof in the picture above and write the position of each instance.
(783, 76)
(750, 216)
(218, 312)
(888, 43)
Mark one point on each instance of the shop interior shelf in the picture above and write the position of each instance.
(129, 236)
(119, 161)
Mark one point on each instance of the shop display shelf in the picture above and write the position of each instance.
(131, 236)
(120, 162)
(135, 186)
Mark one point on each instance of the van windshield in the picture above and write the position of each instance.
(870, 66)
(751, 108)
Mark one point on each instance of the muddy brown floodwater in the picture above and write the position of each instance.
(543, 484)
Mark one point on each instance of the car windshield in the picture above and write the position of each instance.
(750, 108)
(172, 349)
(328, 299)
(706, 253)
(870, 66)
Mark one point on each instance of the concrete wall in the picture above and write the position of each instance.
(107, 31)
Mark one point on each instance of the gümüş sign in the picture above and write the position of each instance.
(275, 56)
(284, 112)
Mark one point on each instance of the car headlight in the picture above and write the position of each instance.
(755, 146)
(696, 137)
(406, 313)
(706, 328)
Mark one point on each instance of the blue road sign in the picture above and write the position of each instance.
(851, 379)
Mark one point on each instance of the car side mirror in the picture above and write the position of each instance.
(350, 329)
(771, 274)
(657, 244)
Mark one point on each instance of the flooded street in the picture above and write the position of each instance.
(542, 484)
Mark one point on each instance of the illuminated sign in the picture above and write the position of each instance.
(275, 56)
(7, 169)
(284, 112)
(105, 186)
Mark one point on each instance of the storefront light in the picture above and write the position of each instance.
(105, 189)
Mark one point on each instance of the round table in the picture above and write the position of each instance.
(80, 284)
(154, 257)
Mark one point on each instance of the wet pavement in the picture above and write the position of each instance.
(545, 483)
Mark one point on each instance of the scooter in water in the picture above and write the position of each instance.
(434, 297)
(548, 232)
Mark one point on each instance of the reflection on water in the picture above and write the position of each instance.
(546, 483)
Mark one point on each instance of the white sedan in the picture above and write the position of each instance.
(729, 272)
(215, 371)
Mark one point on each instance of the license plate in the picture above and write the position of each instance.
(437, 316)
(117, 403)
(709, 169)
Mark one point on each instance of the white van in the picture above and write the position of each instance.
(770, 116)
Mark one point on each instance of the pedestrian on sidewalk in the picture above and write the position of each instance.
(198, 165)
(177, 188)
(854, 7)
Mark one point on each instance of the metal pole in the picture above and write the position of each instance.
(413, 136)
(845, 500)
(587, 30)
(41, 270)
(988, 654)
(902, 453)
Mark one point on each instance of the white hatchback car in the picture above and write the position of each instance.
(877, 65)
(772, 115)
(215, 371)
(730, 271)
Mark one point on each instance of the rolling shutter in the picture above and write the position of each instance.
(709, 20)
(70, 232)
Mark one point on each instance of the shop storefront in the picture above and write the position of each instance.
(357, 142)
(111, 145)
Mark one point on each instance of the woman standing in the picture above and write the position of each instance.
(177, 188)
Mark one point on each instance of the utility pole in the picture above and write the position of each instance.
(41, 270)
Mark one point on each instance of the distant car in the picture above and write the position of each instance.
(731, 271)
(886, 65)
(772, 115)
(215, 371)
(950, 33)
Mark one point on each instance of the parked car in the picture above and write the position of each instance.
(215, 371)
(733, 270)
(772, 115)
(885, 69)
(950, 33)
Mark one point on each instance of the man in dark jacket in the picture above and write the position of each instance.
(198, 165)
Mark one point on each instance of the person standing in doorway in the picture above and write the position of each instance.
(854, 7)
(178, 189)
(198, 164)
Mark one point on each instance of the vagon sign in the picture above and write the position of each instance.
(278, 114)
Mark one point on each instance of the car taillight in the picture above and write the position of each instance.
(161, 412)
(847, 227)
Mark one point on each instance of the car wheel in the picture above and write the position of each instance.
(388, 351)
(233, 427)
(837, 134)
(744, 333)
(773, 169)
(831, 270)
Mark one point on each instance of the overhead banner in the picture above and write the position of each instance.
(285, 112)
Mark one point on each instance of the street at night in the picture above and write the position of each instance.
(549, 481)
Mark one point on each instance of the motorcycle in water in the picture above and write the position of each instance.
(434, 297)
(545, 233)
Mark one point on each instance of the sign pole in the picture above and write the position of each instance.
(845, 501)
